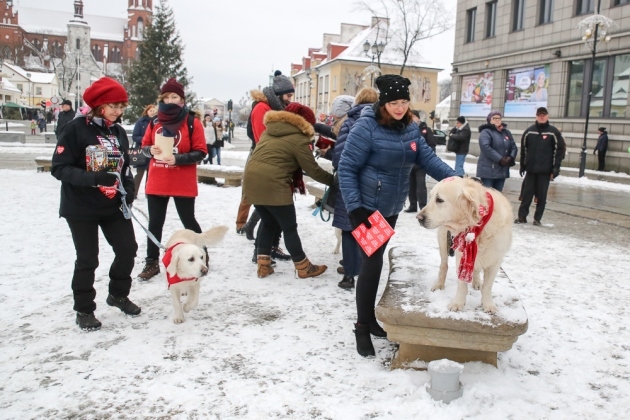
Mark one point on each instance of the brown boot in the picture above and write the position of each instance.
(306, 269)
(264, 266)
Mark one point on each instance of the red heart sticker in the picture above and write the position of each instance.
(544, 137)
(413, 146)
(424, 131)
(60, 149)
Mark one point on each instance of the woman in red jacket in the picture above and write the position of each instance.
(171, 174)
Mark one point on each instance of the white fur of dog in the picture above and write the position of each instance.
(338, 244)
(454, 206)
(189, 261)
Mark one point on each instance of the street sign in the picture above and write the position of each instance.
(55, 100)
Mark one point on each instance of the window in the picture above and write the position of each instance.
(78, 44)
(114, 55)
(611, 82)
(334, 86)
(546, 11)
(491, 19)
(21, 87)
(37, 44)
(140, 28)
(56, 50)
(618, 2)
(97, 53)
(518, 15)
(585, 6)
(38, 91)
(471, 17)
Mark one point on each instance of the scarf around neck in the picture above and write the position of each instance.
(273, 100)
(466, 242)
(171, 117)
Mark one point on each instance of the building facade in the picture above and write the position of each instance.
(342, 66)
(33, 87)
(519, 55)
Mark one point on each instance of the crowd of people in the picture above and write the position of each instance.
(380, 149)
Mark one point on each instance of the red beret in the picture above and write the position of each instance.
(173, 86)
(105, 91)
(301, 110)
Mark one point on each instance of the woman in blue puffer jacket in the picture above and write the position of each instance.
(374, 168)
(497, 152)
(350, 249)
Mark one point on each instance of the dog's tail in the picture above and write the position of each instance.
(214, 236)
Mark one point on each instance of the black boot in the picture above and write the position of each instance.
(364, 342)
(376, 330)
(346, 283)
(278, 253)
(124, 304)
(248, 230)
(255, 258)
(88, 322)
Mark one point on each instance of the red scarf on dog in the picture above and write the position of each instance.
(168, 256)
(466, 242)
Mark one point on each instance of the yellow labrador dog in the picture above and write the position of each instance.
(186, 262)
(480, 221)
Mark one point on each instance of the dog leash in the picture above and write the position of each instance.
(128, 214)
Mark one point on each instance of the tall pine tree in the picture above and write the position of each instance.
(160, 59)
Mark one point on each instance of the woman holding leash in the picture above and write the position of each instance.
(374, 171)
(90, 199)
(175, 144)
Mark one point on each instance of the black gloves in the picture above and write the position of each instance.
(105, 178)
(129, 199)
(556, 172)
(521, 171)
(505, 161)
(360, 216)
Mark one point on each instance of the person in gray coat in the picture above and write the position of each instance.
(497, 152)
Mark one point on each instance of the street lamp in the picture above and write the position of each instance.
(595, 29)
(30, 89)
(377, 50)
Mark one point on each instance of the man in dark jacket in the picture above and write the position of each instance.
(542, 151)
(601, 147)
(65, 116)
(459, 142)
(418, 176)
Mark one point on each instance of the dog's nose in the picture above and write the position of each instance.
(204, 271)
(421, 218)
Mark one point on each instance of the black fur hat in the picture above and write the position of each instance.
(392, 87)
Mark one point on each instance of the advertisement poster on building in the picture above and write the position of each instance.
(476, 99)
(526, 90)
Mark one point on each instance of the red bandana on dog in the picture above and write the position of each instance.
(466, 242)
(168, 256)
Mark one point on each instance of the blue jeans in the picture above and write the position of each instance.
(459, 164)
(496, 183)
(216, 152)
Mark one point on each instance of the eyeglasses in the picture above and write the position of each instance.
(402, 104)
(496, 118)
(120, 108)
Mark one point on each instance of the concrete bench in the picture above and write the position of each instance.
(50, 138)
(12, 137)
(43, 164)
(426, 330)
(232, 175)
(315, 189)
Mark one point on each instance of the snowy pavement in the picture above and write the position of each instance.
(283, 347)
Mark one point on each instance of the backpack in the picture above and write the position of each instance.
(250, 129)
(190, 121)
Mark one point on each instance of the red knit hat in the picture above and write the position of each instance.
(301, 110)
(173, 86)
(105, 91)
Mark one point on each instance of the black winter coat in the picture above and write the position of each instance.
(602, 143)
(81, 199)
(542, 149)
(459, 140)
(427, 133)
(64, 118)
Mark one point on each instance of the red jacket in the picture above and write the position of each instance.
(258, 114)
(178, 180)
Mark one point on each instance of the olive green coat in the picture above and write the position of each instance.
(282, 149)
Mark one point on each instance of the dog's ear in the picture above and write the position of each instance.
(472, 198)
(172, 267)
(214, 235)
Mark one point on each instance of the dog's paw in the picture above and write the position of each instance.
(456, 306)
(437, 286)
(490, 308)
(189, 307)
(178, 320)
(476, 284)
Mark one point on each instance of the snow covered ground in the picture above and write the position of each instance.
(283, 347)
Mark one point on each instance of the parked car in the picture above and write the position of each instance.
(440, 137)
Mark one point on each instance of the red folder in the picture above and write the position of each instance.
(373, 238)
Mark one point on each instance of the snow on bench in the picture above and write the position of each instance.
(43, 163)
(232, 175)
(316, 189)
(419, 320)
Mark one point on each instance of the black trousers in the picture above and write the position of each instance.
(274, 219)
(157, 215)
(119, 233)
(368, 280)
(534, 185)
(137, 179)
(417, 187)
(601, 159)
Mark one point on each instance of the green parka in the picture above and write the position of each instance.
(282, 149)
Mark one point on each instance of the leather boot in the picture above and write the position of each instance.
(364, 341)
(306, 269)
(264, 266)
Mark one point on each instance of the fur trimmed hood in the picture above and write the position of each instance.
(289, 118)
(258, 96)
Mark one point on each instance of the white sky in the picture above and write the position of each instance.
(233, 46)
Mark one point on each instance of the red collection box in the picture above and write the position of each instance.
(373, 238)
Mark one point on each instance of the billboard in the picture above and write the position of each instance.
(476, 97)
(526, 90)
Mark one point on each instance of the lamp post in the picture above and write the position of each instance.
(30, 89)
(595, 29)
(377, 50)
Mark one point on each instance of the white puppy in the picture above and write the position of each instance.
(186, 262)
(459, 205)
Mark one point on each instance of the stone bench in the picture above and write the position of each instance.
(12, 137)
(315, 189)
(232, 175)
(50, 138)
(43, 164)
(426, 330)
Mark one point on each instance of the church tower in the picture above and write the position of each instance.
(140, 13)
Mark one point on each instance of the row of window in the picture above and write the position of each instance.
(56, 50)
(545, 15)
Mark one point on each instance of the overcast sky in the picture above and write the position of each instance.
(232, 46)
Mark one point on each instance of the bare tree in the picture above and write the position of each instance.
(446, 87)
(410, 21)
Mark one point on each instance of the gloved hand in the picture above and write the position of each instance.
(521, 172)
(129, 198)
(505, 161)
(360, 216)
(556, 172)
(105, 178)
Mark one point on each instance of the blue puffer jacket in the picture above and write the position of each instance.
(376, 162)
(340, 219)
(493, 145)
